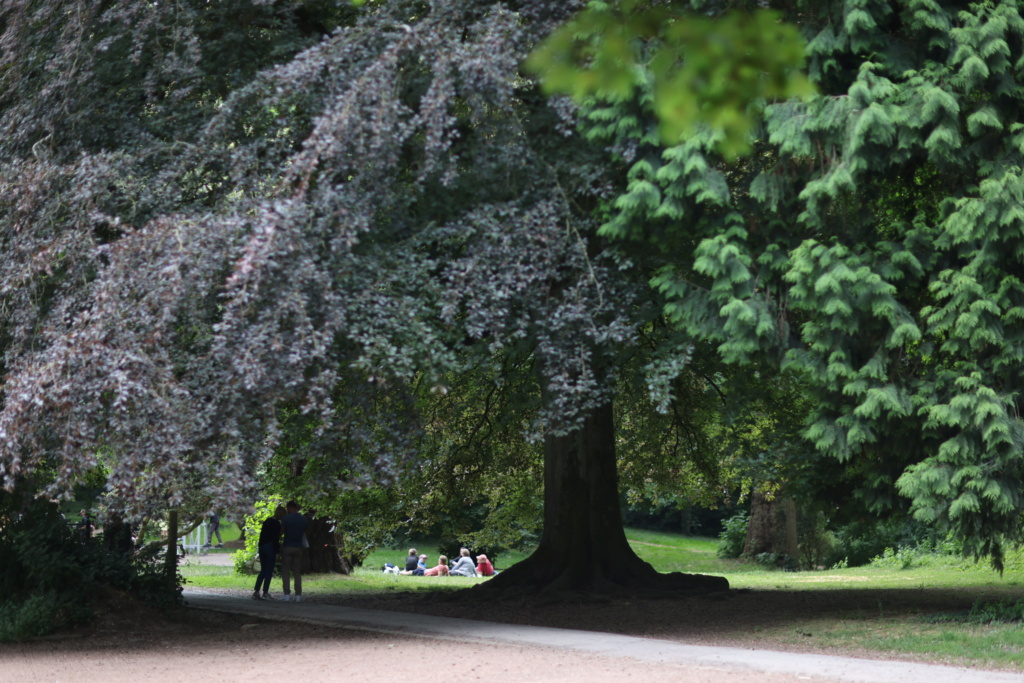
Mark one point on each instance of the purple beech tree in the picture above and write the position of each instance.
(215, 215)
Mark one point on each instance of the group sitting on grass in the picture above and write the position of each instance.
(416, 565)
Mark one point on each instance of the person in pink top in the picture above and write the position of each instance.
(440, 570)
(484, 566)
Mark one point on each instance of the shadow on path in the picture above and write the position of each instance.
(603, 644)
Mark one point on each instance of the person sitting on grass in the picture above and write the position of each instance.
(464, 565)
(484, 566)
(440, 570)
(411, 562)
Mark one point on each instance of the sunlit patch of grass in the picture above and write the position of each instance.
(688, 554)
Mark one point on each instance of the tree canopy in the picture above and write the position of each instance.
(869, 244)
(249, 228)
(296, 229)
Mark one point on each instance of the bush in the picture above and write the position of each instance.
(149, 580)
(244, 560)
(1013, 559)
(929, 553)
(817, 543)
(733, 536)
(47, 568)
(902, 558)
(777, 561)
(858, 544)
(39, 615)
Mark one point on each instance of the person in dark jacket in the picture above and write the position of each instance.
(85, 525)
(213, 529)
(269, 546)
(412, 561)
(293, 544)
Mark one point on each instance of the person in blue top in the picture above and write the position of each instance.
(269, 546)
(294, 526)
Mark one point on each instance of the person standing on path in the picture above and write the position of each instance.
(294, 542)
(269, 547)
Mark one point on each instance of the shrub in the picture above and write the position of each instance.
(47, 569)
(943, 553)
(1013, 559)
(858, 544)
(817, 543)
(733, 536)
(38, 615)
(902, 558)
(245, 559)
(777, 561)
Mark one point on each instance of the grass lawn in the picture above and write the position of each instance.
(921, 610)
(894, 624)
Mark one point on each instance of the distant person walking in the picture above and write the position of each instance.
(294, 526)
(85, 525)
(212, 529)
(269, 548)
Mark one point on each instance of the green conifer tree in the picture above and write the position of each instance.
(871, 243)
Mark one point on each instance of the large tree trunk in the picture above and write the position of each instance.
(324, 554)
(583, 546)
(772, 527)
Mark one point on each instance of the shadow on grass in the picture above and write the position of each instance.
(736, 614)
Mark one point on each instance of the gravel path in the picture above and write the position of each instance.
(233, 638)
(547, 650)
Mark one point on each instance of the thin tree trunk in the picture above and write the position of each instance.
(171, 567)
